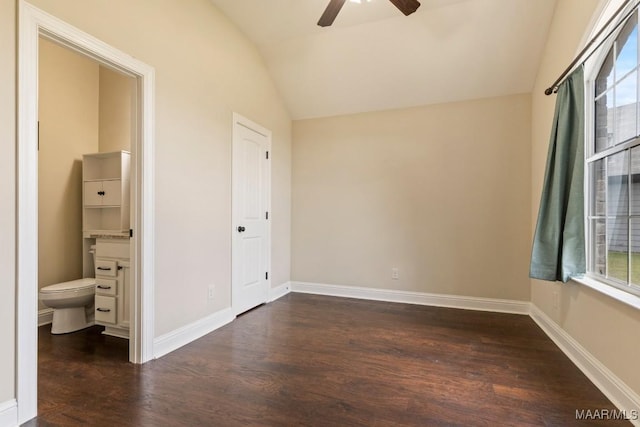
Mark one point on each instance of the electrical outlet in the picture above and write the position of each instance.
(395, 273)
(212, 291)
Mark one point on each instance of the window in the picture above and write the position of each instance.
(613, 166)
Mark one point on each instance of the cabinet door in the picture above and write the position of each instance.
(112, 192)
(92, 193)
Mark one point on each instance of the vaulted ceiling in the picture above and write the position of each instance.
(374, 58)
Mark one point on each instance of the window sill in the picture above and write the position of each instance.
(610, 291)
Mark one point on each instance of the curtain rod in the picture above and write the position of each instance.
(554, 87)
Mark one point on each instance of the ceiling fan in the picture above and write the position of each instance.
(406, 6)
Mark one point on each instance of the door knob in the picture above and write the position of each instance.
(241, 229)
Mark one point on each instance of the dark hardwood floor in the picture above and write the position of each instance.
(321, 361)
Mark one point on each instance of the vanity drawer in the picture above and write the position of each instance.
(106, 268)
(113, 248)
(106, 286)
(105, 309)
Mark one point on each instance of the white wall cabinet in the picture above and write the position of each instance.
(106, 193)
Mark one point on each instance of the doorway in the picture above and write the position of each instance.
(251, 238)
(33, 24)
(86, 123)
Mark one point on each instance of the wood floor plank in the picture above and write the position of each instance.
(322, 361)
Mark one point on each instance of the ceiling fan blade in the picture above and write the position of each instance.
(406, 6)
(331, 12)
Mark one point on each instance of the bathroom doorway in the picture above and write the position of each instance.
(87, 121)
(35, 24)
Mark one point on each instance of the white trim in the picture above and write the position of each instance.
(623, 397)
(9, 413)
(249, 124)
(279, 291)
(617, 294)
(177, 338)
(34, 23)
(605, 11)
(180, 337)
(27, 239)
(45, 316)
(142, 326)
(419, 298)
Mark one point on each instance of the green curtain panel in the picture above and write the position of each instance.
(558, 245)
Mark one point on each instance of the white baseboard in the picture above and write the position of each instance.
(613, 387)
(419, 298)
(279, 291)
(182, 336)
(9, 413)
(45, 316)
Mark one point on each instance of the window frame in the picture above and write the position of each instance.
(592, 69)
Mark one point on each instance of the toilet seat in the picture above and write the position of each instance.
(73, 285)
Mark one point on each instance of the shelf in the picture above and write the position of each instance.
(104, 165)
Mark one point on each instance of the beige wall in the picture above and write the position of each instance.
(68, 115)
(441, 192)
(605, 327)
(7, 198)
(205, 70)
(117, 97)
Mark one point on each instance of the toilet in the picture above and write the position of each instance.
(72, 304)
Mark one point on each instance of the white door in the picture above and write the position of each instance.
(251, 231)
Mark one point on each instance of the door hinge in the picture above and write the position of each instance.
(267, 155)
(131, 232)
(266, 215)
(266, 276)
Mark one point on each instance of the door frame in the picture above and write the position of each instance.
(32, 24)
(239, 120)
